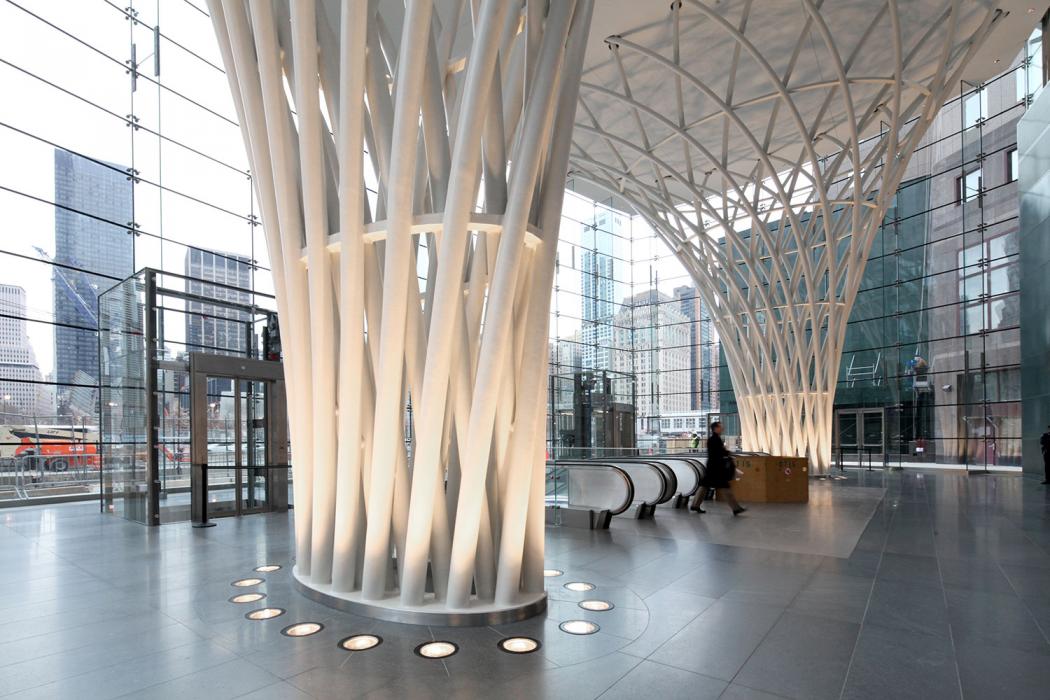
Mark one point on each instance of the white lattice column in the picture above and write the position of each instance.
(770, 176)
(443, 529)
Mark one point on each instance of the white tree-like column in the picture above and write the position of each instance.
(763, 142)
(417, 301)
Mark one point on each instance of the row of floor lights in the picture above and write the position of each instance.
(299, 629)
(580, 627)
(438, 649)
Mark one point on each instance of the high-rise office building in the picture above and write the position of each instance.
(598, 287)
(703, 350)
(93, 251)
(217, 328)
(656, 330)
(20, 391)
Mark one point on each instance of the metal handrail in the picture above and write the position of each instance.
(31, 472)
(672, 479)
(628, 483)
(666, 493)
(244, 466)
(699, 468)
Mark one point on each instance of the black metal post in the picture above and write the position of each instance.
(152, 417)
(199, 480)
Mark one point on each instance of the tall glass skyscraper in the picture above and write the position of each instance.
(93, 231)
(598, 289)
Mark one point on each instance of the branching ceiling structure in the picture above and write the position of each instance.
(761, 139)
(763, 142)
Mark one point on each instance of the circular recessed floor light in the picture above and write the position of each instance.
(519, 645)
(247, 598)
(579, 627)
(596, 605)
(265, 613)
(436, 650)
(302, 629)
(551, 573)
(267, 568)
(246, 582)
(360, 642)
(579, 586)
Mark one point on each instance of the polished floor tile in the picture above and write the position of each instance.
(651, 679)
(802, 657)
(886, 585)
(892, 663)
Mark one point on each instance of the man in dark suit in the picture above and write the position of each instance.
(718, 475)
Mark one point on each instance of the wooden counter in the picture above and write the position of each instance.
(768, 479)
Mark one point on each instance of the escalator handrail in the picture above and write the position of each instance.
(670, 478)
(698, 467)
(613, 510)
(693, 459)
(667, 490)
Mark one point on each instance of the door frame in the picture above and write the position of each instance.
(861, 412)
(206, 365)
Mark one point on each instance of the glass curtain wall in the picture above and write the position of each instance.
(930, 371)
(122, 151)
(625, 310)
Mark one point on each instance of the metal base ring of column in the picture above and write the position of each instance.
(432, 613)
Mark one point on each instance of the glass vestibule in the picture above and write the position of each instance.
(150, 325)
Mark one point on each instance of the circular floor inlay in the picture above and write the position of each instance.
(579, 586)
(519, 645)
(265, 613)
(247, 598)
(302, 629)
(596, 605)
(360, 642)
(246, 582)
(551, 573)
(579, 627)
(267, 568)
(436, 650)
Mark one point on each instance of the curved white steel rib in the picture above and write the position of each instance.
(460, 504)
(769, 176)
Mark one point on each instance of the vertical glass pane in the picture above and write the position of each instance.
(848, 429)
(873, 429)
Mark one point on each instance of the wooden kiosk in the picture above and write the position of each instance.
(770, 479)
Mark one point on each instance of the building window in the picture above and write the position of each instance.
(975, 108)
(1028, 77)
(988, 285)
(968, 186)
(1012, 164)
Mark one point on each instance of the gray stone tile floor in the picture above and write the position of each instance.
(887, 585)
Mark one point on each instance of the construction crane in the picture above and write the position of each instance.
(82, 306)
